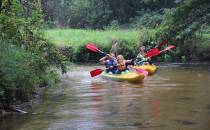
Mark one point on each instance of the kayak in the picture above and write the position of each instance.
(151, 69)
(130, 76)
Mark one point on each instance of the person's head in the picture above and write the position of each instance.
(142, 48)
(114, 42)
(120, 59)
(111, 55)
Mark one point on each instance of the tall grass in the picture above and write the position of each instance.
(74, 40)
(206, 35)
(75, 37)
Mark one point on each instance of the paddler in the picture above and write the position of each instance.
(122, 64)
(141, 59)
(110, 62)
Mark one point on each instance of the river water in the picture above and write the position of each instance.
(177, 97)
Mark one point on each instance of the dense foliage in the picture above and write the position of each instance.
(26, 58)
(181, 22)
(97, 14)
(189, 19)
(73, 47)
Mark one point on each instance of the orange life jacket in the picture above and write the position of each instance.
(121, 66)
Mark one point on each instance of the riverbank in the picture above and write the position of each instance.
(78, 37)
(71, 43)
(24, 107)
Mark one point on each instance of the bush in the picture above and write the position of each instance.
(81, 54)
(183, 59)
(203, 51)
(147, 19)
(68, 52)
(18, 73)
(114, 25)
(26, 58)
(147, 38)
(128, 49)
(167, 58)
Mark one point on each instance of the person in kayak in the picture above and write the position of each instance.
(141, 59)
(115, 47)
(122, 64)
(110, 63)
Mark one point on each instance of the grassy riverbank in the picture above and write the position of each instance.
(73, 41)
(76, 37)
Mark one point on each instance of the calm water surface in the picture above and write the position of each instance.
(177, 97)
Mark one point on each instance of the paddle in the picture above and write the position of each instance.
(96, 72)
(168, 48)
(140, 71)
(155, 51)
(164, 42)
(152, 52)
(93, 48)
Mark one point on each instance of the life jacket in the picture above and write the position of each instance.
(142, 61)
(122, 67)
(110, 63)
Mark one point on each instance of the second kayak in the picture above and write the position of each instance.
(130, 77)
(151, 69)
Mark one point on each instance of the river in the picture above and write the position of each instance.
(177, 97)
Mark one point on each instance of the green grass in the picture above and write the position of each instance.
(75, 37)
(206, 35)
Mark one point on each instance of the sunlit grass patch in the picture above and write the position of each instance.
(75, 37)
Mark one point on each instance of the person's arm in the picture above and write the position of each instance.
(103, 60)
(128, 61)
(142, 61)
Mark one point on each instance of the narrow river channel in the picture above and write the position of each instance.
(177, 97)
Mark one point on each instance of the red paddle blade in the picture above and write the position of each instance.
(92, 47)
(96, 72)
(163, 43)
(169, 47)
(152, 52)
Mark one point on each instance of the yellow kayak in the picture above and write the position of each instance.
(151, 69)
(130, 77)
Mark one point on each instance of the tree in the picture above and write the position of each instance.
(97, 13)
(26, 58)
(188, 18)
(183, 25)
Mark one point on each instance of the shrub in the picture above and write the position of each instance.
(17, 73)
(114, 25)
(68, 52)
(167, 58)
(147, 19)
(26, 58)
(183, 59)
(128, 49)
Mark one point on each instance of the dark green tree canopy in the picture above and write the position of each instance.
(188, 18)
(97, 13)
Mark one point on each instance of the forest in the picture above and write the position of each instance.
(31, 58)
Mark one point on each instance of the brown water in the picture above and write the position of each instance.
(177, 97)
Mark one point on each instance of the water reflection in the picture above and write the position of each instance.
(177, 97)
